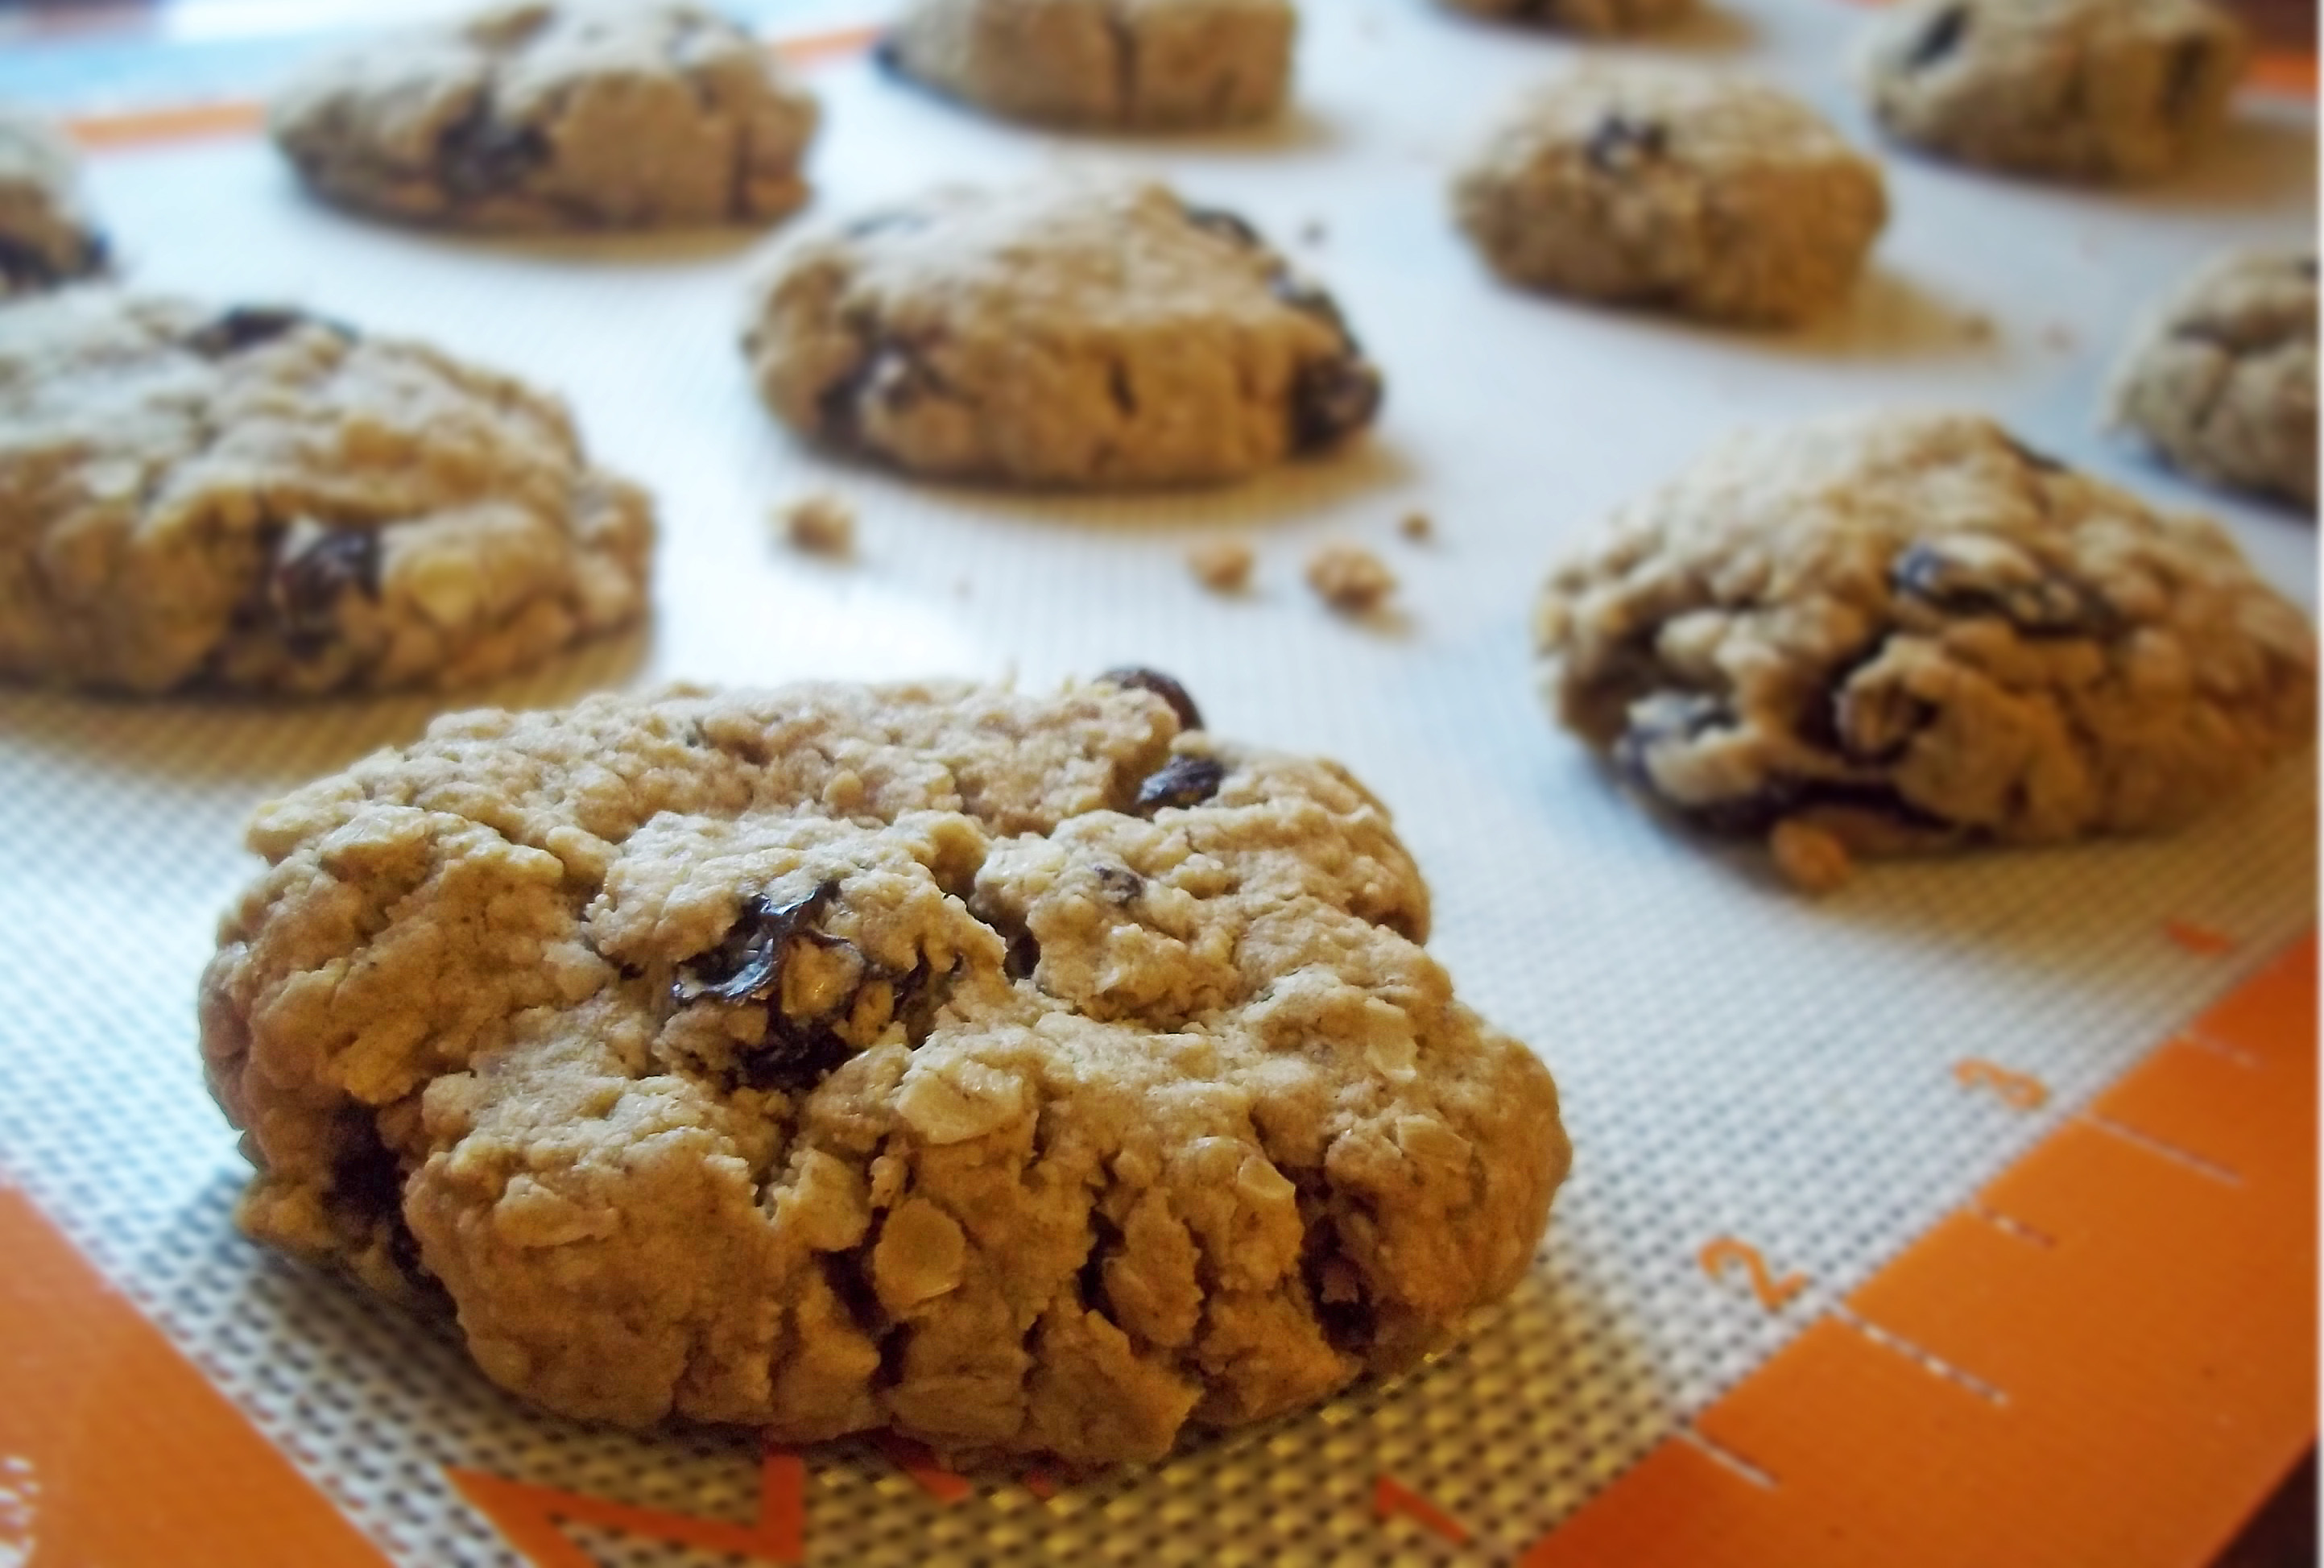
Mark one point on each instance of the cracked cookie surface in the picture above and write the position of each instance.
(260, 499)
(565, 113)
(1889, 633)
(1027, 1074)
(47, 237)
(1688, 190)
(2223, 381)
(1586, 16)
(1136, 64)
(2091, 90)
(1066, 332)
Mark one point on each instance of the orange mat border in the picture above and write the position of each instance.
(245, 117)
(2283, 72)
(2109, 1356)
(115, 1450)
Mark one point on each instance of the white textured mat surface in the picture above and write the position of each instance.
(1735, 1059)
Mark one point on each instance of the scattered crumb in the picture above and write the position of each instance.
(820, 523)
(960, 587)
(1417, 526)
(1312, 232)
(1810, 859)
(1977, 328)
(2059, 336)
(1350, 578)
(1222, 565)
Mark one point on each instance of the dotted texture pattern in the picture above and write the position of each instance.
(1736, 1060)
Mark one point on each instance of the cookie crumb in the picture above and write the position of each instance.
(1976, 326)
(1810, 859)
(1224, 565)
(2057, 336)
(1312, 232)
(819, 523)
(1417, 526)
(1350, 578)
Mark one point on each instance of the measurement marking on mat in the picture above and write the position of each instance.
(1773, 1294)
(1928, 1360)
(916, 1461)
(528, 1517)
(2163, 1150)
(2022, 1091)
(2009, 1224)
(1728, 1458)
(2199, 940)
(2221, 1049)
(1391, 1497)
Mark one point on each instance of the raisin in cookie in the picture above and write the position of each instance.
(2223, 381)
(1887, 633)
(1020, 1072)
(46, 234)
(1068, 332)
(565, 113)
(1139, 64)
(1697, 192)
(1591, 16)
(2090, 89)
(259, 499)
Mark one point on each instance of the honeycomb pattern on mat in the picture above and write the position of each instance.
(1824, 1128)
(1735, 1059)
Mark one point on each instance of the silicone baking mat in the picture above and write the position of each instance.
(1757, 1330)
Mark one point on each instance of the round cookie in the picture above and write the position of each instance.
(1693, 191)
(1020, 1072)
(1886, 633)
(258, 498)
(1589, 16)
(560, 114)
(2223, 381)
(2090, 89)
(1059, 333)
(46, 234)
(1134, 64)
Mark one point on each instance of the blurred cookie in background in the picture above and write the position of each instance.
(563, 114)
(1067, 332)
(1127, 64)
(47, 237)
(1686, 191)
(2081, 89)
(2222, 381)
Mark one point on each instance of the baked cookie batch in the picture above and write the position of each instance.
(1043, 1072)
